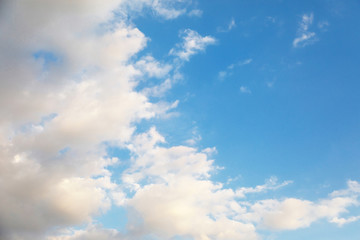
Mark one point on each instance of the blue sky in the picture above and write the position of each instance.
(184, 119)
(302, 115)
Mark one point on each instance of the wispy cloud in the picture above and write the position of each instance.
(304, 35)
(222, 75)
(323, 25)
(192, 44)
(229, 27)
(195, 13)
(162, 8)
(232, 24)
(270, 84)
(244, 89)
(270, 19)
(271, 184)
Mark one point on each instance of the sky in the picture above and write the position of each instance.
(179, 120)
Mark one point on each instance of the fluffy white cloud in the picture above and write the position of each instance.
(292, 213)
(190, 207)
(172, 195)
(152, 67)
(67, 87)
(175, 182)
(192, 43)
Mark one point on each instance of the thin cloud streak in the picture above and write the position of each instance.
(305, 37)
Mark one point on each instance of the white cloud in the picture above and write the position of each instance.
(353, 189)
(244, 89)
(56, 125)
(195, 13)
(176, 183)
(196, 137)
(190, 207)
(245, 62)
(168, 9)
(192, 43)
(55, 122)
(229, 27)
(305, 37)
(92, 232)
(292, 213)
(194, 140)
(342, 221)
(270, 84)
(152, 67)
(323, 25)
(222, 75)
(271, 19)
(271, 184)
(232, 24)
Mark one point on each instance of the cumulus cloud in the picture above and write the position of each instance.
(175, 182)
(192, 43)
(67, 93)
(184, 202)
(64, 93)
(292, 213)
(304, 35)
(152, 67)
